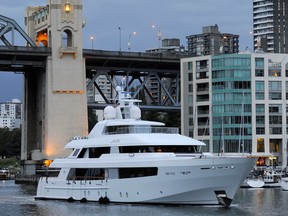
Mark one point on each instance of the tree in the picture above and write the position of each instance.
(10, 142)
(4, 139)
(171, 119)
(14, 148)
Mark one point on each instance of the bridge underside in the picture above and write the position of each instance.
(155, 79)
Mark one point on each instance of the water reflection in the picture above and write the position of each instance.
(18, 200)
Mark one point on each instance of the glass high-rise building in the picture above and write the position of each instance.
(270, 25)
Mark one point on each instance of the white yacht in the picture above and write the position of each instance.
(128, 160)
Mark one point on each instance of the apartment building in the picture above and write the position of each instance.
(11, 114)
(212, 42)
(237, 103)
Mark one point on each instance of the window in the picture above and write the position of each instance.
(260, 130)
(260, 108)
(275, 85)
(86, 174)
(259, 85)
(137, 172)
(190, 87)
(274, 69)
(275, 119)
(275, 95)
(260, 96)
(275, 108)
(259, 72)
(191, 110)
(190, 65)
(203, 64)
(259, 62)
(67, 39)
(260, 120)
(275, 130)
(190, 99)
(157, 149)
(275, 145)
(260, 145)
(190, 77)
(242, 85)
(97, 152)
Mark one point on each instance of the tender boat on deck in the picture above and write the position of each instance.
(128, 160)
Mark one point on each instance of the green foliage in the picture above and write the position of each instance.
(10, 162)
(10, 143)
(171, 119)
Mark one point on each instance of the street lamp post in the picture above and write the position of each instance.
(159, 36)
(92, 42)
(129, 41)
(119, 28)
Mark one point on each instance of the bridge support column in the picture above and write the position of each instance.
(55, 101)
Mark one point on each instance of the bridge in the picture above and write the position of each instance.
(136, 66)
(58, 75)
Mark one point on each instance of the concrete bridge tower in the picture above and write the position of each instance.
(55, 99)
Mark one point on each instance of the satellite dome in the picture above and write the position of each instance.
(118, 89)
(135, 112)
(109, 112)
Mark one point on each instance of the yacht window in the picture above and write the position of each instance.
(145, 149)
(97, 152)
(137, 172)
(82, 153)
(76, 152)
(116, 129)
(126, 129)
(86, 174)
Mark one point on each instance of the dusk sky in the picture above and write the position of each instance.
(175, 19)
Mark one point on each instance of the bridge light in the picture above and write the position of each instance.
(67, 7)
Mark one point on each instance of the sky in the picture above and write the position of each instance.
(174, 19)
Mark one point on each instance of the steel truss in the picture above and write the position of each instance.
(161, 89)
(8, 25)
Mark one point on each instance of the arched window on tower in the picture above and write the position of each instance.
(67, 39)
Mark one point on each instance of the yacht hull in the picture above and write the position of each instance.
(193, 181)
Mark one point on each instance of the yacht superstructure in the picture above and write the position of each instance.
(128, 160)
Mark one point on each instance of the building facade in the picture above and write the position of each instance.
(11, 114)
(237, 104)
(270, 21)
(212, 42)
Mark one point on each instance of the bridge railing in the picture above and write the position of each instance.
(134, 54)
(25, 48)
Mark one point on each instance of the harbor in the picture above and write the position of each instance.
(167, 130)
(18, 199)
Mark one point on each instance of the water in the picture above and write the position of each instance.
(17, 200)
